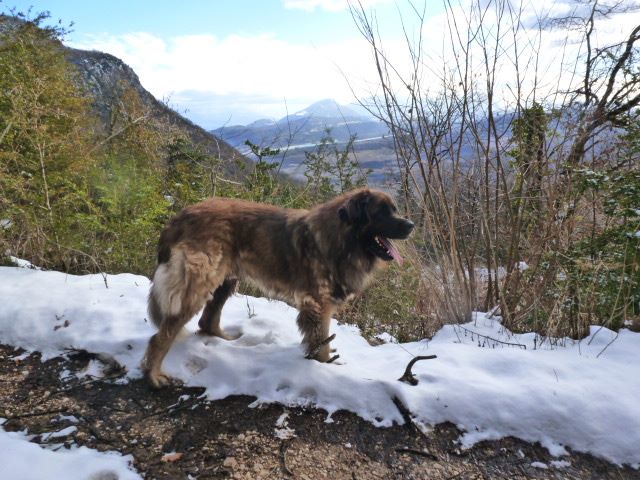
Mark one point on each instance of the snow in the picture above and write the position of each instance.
(282, 430)
(68, 418)
(65, 432)
(489, 382)
(23, 263)
(386, 338)
(28, 461)
(560, 463)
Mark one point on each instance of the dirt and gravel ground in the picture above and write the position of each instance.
(175, 433)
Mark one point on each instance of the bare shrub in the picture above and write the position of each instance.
(489, 154)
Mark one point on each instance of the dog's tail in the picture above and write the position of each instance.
(153, 308)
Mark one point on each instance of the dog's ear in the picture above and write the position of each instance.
(354, 210)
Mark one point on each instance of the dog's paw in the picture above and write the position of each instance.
(227, 336)
(324, 356)
(161, 380)
(220, 334)
(333, 358)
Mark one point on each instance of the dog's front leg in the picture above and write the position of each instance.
(313, 322)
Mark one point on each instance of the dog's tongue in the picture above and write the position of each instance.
(393, 251)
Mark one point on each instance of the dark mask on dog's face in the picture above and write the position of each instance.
(376, 218)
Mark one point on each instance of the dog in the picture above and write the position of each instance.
(315, 260)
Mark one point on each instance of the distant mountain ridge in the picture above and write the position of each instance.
(305, 127)
(300, 132)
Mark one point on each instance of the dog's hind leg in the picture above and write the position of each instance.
(180, 288)
(158, 347)
(209, 322)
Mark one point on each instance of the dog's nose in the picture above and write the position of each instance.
(410, 225)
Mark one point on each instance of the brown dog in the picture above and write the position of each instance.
(313, 259)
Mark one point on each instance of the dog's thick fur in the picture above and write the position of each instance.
(314, 259)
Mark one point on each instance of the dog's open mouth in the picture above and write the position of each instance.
(386, 250)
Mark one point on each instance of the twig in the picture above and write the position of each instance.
(93, 379)
(90, 257)
(608, 344)
(225, 180)
(37, 414)
(408, 377)
(414, 451)
(283, 456)
(175, 407)
(119, 132)
(5, 131)
(491, 339)
(183, 406)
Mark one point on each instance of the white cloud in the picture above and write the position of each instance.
(544, 58)
(240, 66)
(328, 5)
(244, 77)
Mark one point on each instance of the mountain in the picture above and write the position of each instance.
(308, 126)
(328, 109)
(303, 130)
(107, 79)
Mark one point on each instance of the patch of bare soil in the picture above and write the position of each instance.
(175, 433)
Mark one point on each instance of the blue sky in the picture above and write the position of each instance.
(232, 62)
(170, 18)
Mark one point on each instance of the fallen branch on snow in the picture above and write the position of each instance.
(408, 377)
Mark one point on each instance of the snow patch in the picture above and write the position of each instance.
(65, 432)
(19, 262)
(28, 461)
(282, 430)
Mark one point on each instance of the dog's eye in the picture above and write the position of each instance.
(386, 209)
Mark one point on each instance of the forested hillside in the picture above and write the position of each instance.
(91, 165)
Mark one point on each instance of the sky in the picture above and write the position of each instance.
(233, 62)
(230, 62)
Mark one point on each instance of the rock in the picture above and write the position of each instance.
(230, 462)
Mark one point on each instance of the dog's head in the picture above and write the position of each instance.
(375, 217)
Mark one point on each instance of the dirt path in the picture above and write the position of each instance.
(229, 439)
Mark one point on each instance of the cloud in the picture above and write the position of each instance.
(327, 5)
(240, 78)
(549, 60)
(211, 110)
(188, 68)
